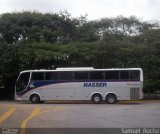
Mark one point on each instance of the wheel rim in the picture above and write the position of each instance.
(34, 99)
(96, 99)
(110, 99)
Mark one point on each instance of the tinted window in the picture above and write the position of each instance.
(124, 75)
(112, 75)
(24, 77)
(135, 75)
(38, 76)
(66, 75)
(81, 75)
(99, 75)
(51, 76)
(22, 82)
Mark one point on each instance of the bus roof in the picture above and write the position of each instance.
(80, 69)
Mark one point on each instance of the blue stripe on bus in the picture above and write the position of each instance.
(88, 83)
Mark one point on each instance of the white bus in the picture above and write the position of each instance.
(97, 85)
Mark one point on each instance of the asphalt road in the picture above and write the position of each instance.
(128, 114)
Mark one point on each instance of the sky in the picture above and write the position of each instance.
(95, 9)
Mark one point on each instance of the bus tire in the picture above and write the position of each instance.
(111, 98)
(96, 98)
(35, 99)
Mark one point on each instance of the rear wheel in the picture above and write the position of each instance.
(97, 98)
(111, 98)
(35, 98)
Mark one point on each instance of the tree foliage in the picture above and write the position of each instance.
(32, 40)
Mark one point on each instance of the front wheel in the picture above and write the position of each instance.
(111, 98)
(35, 98)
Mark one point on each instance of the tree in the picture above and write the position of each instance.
(36, 26)
(32, 40)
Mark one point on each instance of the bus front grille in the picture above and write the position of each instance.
(134, 93)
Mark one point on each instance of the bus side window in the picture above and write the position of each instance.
(112, 75)
(135, 75)
(81, 75)
(51, 75)
(37, 76)
(66, 75)
(96, 75)
(124, 75)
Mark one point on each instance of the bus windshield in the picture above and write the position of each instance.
(22, 81)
